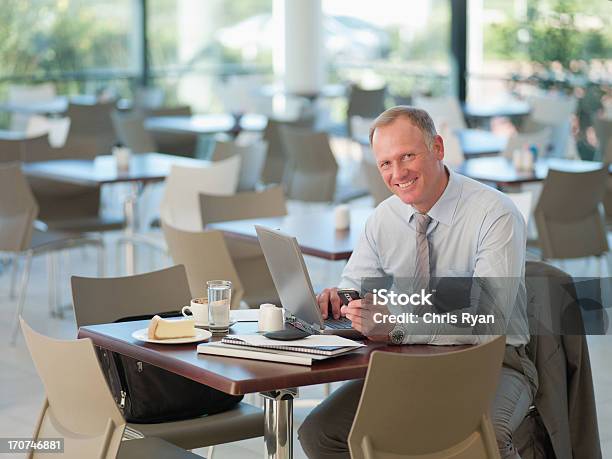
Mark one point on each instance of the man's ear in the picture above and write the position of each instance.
(438, 147)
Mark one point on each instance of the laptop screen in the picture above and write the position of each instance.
(290, 276)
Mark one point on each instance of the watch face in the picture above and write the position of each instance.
(397, 336)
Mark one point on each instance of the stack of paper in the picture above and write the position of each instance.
(301, 352)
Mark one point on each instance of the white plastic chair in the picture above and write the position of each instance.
(445, 111)
(523, 202)
(252, 160)
(30, 94)
(180, 205)
(554, 111)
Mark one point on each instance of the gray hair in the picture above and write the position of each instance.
(419, 118)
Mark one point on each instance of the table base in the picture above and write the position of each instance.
(278, 423)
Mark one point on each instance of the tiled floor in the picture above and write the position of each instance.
(22, 392)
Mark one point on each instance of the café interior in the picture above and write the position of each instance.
(142, 140)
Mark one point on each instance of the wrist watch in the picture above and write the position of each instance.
(396, 336)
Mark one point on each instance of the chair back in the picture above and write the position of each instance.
(182, 144)
(180, 205)
(367, 103)
(540, 139)
(29, 94)
(603, 129)
(18, 209)
(551, 109)
(130, 131)
(248, 258)
(371, 175)
(276, 163)
(10, 150)
(269, 202)
(99, 300)
(252, 160)
(312, 168)
(444, 111)
(79, 406)
(567, 215)
(522, 201)
(148, 97)
(90, 128)
(441, 400)
(205, 257)
(36, 149)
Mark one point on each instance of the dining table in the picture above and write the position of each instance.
(315, 231)
(278, 383)
(207, 124)
(143, 168)
(501, 171)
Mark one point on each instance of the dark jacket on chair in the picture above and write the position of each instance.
(565, 400)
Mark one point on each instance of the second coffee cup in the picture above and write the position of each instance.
(199, 311)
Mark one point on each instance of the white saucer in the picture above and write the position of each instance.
(205, 326)
(201, 335)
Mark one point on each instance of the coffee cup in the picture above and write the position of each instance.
(270, 318)
(342, 217)
(199, 311)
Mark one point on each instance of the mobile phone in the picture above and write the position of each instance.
(347, 295)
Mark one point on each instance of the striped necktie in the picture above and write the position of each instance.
(422, 271)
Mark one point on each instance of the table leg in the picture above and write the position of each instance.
(278, 420)
(131, 226)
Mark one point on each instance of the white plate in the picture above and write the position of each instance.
(205, 326)
(201, 335)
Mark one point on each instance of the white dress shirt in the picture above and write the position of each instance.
(475, 231)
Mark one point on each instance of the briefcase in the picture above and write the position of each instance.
(147, 394)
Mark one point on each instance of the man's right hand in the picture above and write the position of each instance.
(327, 296)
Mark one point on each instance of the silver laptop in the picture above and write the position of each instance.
(291, 279)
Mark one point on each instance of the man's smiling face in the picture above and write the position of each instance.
(409, 168)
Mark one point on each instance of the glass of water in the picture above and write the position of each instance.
(219, 299)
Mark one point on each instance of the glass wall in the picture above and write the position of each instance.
(89, 41)
(527, 46)
(194, 43)
(408, 47)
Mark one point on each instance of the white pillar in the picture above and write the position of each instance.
(300, 62)
(475, 47)
(197, 22)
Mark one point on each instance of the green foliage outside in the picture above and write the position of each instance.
(563, 39)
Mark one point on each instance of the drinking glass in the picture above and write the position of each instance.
(219, 299)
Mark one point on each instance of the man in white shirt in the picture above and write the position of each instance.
(438, 224)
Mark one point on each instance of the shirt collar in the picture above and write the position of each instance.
(443, 210)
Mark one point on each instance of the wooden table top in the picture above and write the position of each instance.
(144, 167)
(206, 124)
(315, 232)
(501, 171)
(241, 376)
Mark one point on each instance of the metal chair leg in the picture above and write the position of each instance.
(211, 451)
(14, 270)
(25, 277)
(51, 280)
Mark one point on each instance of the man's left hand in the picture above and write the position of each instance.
(362, 314)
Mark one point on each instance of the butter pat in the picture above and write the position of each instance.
(167, 329)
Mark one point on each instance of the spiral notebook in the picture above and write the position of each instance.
(328, 351)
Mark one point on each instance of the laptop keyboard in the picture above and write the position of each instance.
(338, 324)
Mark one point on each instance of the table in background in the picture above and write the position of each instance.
(144, 168)
(277, 382)
(53, 107)
(315, 232)
(222, 123)
(501, 172)
(474, 142)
